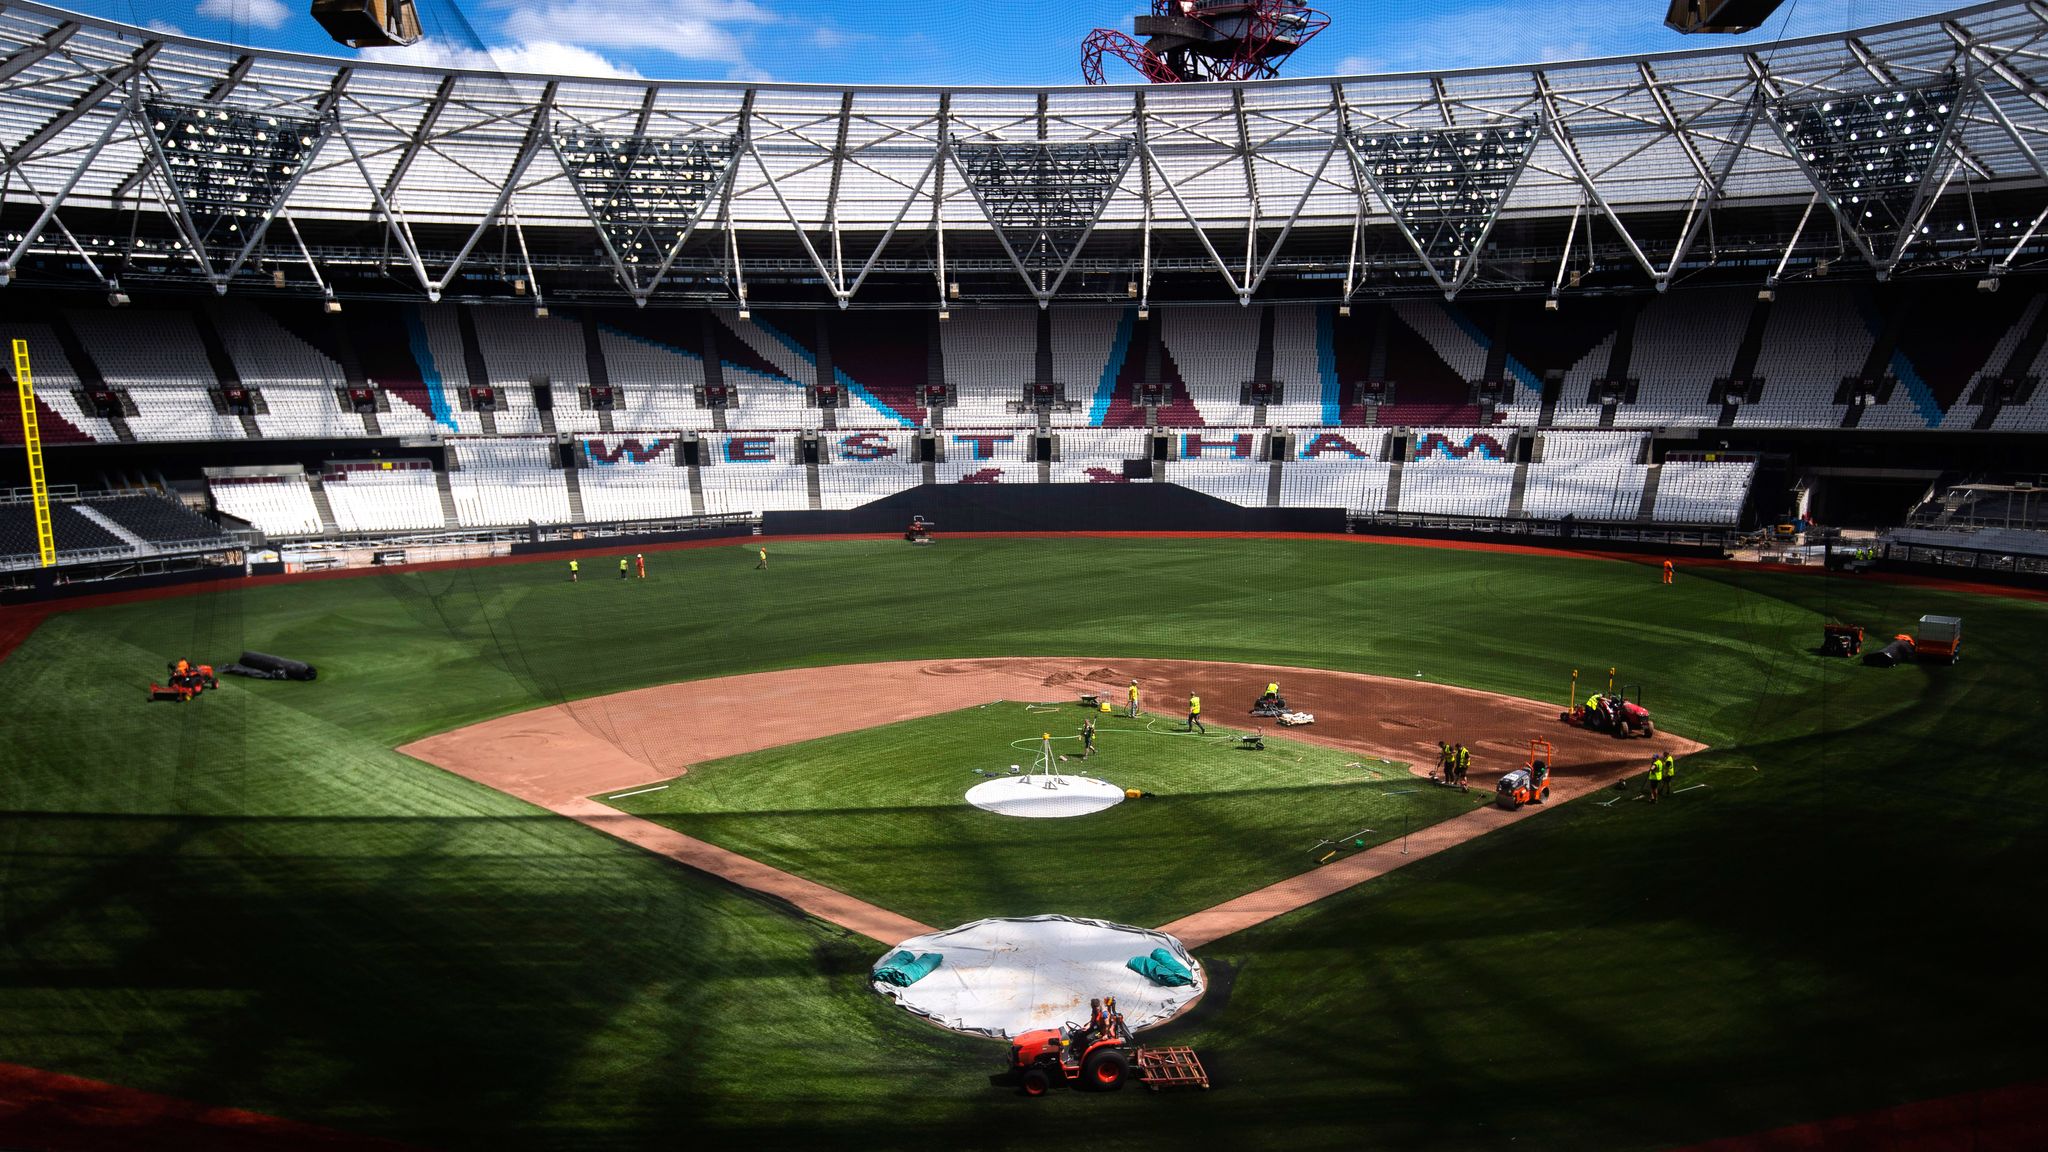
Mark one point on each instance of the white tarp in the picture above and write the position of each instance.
(1001, 977)
(1045, 797)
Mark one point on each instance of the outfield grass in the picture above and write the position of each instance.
(253, 901)
(880, 814)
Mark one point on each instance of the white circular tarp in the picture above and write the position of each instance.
(1001, 977)
(1045, 797)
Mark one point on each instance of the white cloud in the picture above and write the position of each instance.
(687, 29)
(165, 27)
(540, 56)
(261, 13)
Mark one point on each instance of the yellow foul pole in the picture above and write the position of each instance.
(32, 439)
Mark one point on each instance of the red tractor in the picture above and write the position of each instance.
(184, 680)
(1100, 1055)
(1619, 713)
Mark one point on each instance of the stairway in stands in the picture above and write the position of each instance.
(448, 513)
(321, 505)
(475, 367)
(934, 367)
(1618, 364)
(1649, 503)
(89, 379)
(85, 509)
(1876, 366)
(206, 319)
(1518, 490)
(572, 479)
(2015, 368)
(1746, 354)
(596, 368)
(1262, 363)
(714, 377)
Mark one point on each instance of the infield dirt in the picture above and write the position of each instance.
(561, 756)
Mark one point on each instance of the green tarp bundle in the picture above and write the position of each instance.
(903, 969)
(1161, 968)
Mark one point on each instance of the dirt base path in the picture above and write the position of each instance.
(559, 757)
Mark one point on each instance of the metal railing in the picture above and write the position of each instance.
(1681, 535)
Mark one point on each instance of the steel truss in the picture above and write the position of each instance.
(1445, 187)
(1044, 199)
(1877, 157)
(647, 194)
(227, 171)
(1063, 184)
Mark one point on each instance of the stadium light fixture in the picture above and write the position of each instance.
(1044, 200)
(945, 315)
(228, 170)
(647, 194)
(330, 305)
(1766, 295)
(1988, 285)
(1875, 156)
(1343, 309)
(1445, 187)
(1550, 303)
(115, 297)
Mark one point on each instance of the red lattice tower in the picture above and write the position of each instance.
(1206, 40)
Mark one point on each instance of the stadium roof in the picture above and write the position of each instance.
(1245, 178)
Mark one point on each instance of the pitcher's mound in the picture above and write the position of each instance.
(1004, 976)
(1045, 797)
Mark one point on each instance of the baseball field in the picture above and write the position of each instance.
(255, 901)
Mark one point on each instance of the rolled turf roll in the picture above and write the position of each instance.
(292, 669)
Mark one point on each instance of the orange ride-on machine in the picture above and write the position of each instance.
(1099, 1055)
(184, 681)
(1529, 784)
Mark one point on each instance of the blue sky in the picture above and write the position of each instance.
(962, 41)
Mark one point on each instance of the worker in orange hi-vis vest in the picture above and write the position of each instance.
(640, 563)
(1667, 571)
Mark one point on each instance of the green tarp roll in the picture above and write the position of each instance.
(1161, 968)
(903, 969)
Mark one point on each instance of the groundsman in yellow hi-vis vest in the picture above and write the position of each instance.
(1133, 712)
(1195, 715)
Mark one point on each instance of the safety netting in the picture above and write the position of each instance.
(1003, 976)
(1045, 797)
